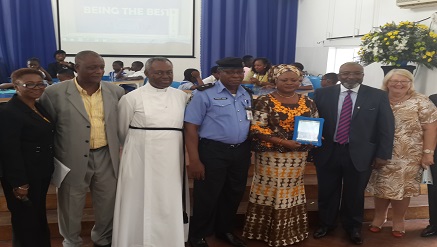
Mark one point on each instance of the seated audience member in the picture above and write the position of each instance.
(118, 72)
(191, 80)
(260, 74)
(247, 63)
(213, 77)
(60, 63)
(306, 83)
(65, 74)
(33, 63)
(329, 79)
(134, 72)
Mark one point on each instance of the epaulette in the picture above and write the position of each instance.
(205, 86)
(250, 91)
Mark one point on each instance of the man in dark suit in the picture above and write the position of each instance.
(358, 135)
(431, 229)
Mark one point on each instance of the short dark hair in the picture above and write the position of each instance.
(66, 72)
(138, 63)
(214, 69)
(59, 52)
(264, 60)
(247, 58)
(33, 59)
(17, 74)
(332, 77)
(119, 63)
(298, 65)
(82, 54)
(187, 74)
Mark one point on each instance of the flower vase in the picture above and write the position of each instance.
(387, 69)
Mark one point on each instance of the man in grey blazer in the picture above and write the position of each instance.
(355, 141)
(85, 113)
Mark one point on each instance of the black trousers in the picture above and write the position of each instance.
(216, 199)
(341, 190)
(432, 195)
(29, 219)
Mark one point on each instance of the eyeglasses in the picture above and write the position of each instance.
(161, 73)
(34, 85)
(394, 82)
(347, 73)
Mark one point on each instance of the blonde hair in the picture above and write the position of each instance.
(401, 72)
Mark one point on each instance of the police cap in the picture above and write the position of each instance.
(230, 62)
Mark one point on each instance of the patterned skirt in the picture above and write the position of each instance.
(276, 212)
(398, 179)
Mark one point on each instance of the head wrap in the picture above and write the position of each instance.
(282, 68)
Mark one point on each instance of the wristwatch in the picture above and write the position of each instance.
(428, 151)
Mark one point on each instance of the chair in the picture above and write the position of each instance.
(316, 81)
(175, 84)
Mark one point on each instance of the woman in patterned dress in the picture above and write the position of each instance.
(414, 144)
(277, 211)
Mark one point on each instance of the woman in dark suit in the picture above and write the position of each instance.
(26, 144)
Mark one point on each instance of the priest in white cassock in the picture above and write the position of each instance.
(149, 203)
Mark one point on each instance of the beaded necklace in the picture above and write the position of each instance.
(288, 124)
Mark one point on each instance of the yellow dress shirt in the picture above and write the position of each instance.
(94, 107)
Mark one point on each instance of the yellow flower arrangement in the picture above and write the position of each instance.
(397, 44)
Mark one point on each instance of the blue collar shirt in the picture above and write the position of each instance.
(221, 116)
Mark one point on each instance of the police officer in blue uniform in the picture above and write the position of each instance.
(217, 122)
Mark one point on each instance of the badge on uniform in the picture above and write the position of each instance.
(249, 114)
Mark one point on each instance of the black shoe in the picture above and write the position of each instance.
(231, 238)
(198, 242)
(321, 232)
(356, 238)
(430, 230)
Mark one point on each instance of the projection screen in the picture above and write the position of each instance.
(127, 27)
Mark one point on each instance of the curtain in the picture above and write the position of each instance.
(26, 30)
(261, 28)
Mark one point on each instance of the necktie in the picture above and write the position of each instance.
(345, 120)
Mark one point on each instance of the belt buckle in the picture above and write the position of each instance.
(234, 145)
